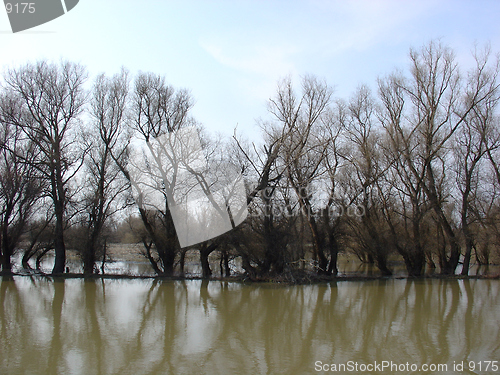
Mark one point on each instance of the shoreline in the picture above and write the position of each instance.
(304, 279)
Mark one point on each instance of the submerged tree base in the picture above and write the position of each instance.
(297, 277)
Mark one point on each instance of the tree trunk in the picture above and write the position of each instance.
(205, 251)
(467, 255)
(334, 251)
(182, 262)
(60, 250)
(414, 263)
(318, 245)
(225, 262)
(6, 250)
(171, 247)
(465, 222)
(40, 256)
(104, 253)
(153, 263)
(449, 264)
(168, 260)
(59, 247)
(205, 265)
(381, 262)
(89, 261)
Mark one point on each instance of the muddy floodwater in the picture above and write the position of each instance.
(146, 326)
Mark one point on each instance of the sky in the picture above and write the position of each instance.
(231, 54)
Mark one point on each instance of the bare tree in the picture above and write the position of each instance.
(337, 202)
(53, 96)
(21, 185)
(265, 241)
(366, 161)
(406, 209)
(474, 140)
(158, 109)
(304, 148)
(437, 105)
(261, 242)
(103, 180)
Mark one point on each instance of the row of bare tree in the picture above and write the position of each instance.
(411, 171)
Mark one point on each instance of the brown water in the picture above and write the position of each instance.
(77, 326)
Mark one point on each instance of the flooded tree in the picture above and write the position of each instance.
(477, 137)
(366, 162)
(406, 209)
(410, 175)
(158, 109)
(436, 102)
(262, 241)
(21, 185)
(304, 147)
(53, 97)
(104, 184)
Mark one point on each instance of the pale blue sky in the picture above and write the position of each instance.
(230, 54)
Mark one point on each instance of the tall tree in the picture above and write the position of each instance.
(367, 164)
(406, 212)
(438, 102)
(476, 138)
(20, 183)
(262, 244)
(104, 182)
(158, 109)
(54, 96)
(304, 148)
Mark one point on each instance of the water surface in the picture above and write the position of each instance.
(133, 326)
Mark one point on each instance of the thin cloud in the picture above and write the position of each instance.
(363, 24)
(257, 66)
(253, 58)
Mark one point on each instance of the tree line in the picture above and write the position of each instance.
(409, 170)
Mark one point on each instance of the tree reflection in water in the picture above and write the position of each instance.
(105, 326)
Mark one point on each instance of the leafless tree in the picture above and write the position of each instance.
(158, 109)
(53, 95)
(426, 111)
(264, 241)
(477, 138)
(104, 183)
(304, 147)
(21, 185)
(336, 203)
(365, 159)
(407, 211)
